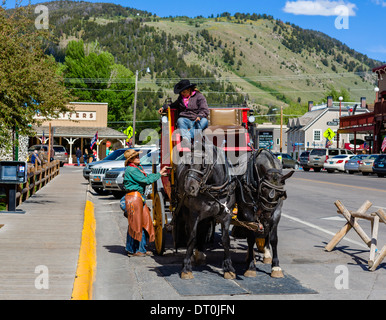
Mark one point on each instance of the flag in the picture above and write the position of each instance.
(43, 138)
(383, 147)
(328, 143)
(94, 140)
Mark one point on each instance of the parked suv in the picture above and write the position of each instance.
(287, 161)
(379, 166)
(112, 156)
(98, 171)
(60, 153)
(303, 160)
(319, 155)
(113, 179)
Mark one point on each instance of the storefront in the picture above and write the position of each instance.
(372, 124)
(78, 128)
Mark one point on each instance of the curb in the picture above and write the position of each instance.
(85, 272)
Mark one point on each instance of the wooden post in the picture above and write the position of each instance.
(49, 143)
(339, 236)
(379, 259)
(347, 227)
(353, 221)
(374, 236)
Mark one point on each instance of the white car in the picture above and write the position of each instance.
(113, 179)
(98, 171)
(337, 162)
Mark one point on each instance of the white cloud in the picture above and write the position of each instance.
(380, 2)
(320, 7)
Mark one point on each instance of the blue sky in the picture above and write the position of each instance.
(358, 24)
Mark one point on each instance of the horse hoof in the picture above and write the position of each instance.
(229, 275)
(250, 273)
(187, 275)
(277, 272)
(267, 260)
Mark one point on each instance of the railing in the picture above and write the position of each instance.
(359, 120)
(37, 178)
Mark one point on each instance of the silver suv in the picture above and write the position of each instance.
(60, 152)
(319, 155)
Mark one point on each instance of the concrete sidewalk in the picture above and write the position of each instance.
(39, 249)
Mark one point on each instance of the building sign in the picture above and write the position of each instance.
(332, 123)
(265, 139)
(77, 116)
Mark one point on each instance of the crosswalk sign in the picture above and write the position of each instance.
(129, 132)
(329, 134)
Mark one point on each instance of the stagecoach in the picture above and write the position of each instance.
(230, 128)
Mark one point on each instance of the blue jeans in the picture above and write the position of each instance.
(78, 159)
(134, 246)
(188, 127)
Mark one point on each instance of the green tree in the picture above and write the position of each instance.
(96, 77)
(30, 81)
(335, 94)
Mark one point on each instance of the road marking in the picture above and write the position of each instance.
(335, 218)
(311, 225)
(340, 185)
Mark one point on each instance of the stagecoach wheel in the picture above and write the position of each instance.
(160, 232)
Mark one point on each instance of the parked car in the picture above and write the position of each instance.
(303, 160)
(379, 165)
(366, 165)
(287, 161)
(337, 162)
(112, 156)
(60, 152)
(113, 179)
(352, 165)
(98, 171)
(318, 156)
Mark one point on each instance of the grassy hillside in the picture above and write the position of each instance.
(257, 58)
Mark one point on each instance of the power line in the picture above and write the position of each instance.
(226, 79)
(220, 92)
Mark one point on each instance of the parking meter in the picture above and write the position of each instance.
(13, 173)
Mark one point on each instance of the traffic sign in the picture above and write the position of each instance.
(329, 134)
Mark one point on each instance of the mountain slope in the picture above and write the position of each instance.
(253, 57)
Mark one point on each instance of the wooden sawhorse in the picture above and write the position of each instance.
(352, 222)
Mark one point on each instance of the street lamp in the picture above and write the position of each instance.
(340, 112)
(135, 100)
(340, 105)
(376, 89)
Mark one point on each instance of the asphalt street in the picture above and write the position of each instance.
(309, 221)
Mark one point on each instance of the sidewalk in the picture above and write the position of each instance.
(41, 247)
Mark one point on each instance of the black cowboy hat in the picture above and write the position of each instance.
(182, 85)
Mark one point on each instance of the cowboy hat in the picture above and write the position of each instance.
(129, 154)
(182, 85)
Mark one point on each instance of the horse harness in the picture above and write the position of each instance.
(215, 192)
(251, 186)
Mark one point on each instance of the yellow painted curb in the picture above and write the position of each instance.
(85, 272)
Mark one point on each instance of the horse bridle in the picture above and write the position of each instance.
(211, 190)
(253, 186)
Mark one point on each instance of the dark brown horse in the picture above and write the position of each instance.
(260, 194)
(207, 195)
